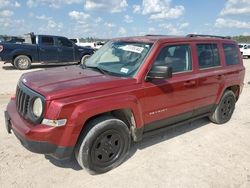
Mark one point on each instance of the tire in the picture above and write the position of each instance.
(84, 58)
(224, 109)
(22, 62)
(104, 145)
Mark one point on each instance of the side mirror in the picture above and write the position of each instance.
(160, 72)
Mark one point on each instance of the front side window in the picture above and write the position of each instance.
(119, 58)
(208, 55)
(231, 54)
(176, 56)
(64, 42)
(47, 41)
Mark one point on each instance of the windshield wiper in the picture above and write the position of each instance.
(97, 68)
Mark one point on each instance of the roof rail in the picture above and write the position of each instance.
(151, 35)
(212, 36)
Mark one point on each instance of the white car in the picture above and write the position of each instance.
(84, 44)
(241, 46)
(245, 50)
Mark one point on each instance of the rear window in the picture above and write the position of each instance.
(208, 55)
(231, 54)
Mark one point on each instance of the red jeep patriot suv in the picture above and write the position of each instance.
(129, 88)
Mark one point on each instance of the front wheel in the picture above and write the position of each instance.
(224, 109)
(84, 58)
(104, 144)
(22, 62)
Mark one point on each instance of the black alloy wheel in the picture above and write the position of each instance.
(224, 110)
(107, 148)
(103, 145)
(227, 107)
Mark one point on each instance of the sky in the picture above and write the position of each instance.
(117, 18)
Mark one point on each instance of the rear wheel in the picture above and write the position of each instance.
(104, 145)
(224, 109)
(22, 62)
(84, 58)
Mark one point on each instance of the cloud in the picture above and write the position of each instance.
(152, 30)
(105, 5)
(51, 24)
(98, 20)
(236, 7)
(9, 24)
(136, 9)
(17, 4)
(159, 10)
(9, 3)
(128, 19)
(55, 25)
(79, 16)
(110, 25)
(43, 17)
(122, 31)
(231, 23)
(51, 3)
(6, 13)
(174, 29)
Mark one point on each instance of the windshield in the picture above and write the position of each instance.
(119, 58)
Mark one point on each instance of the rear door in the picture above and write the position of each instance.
(210, 76)
(47, 49)
(66, 50)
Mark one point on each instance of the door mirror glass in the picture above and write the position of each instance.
(160, 72)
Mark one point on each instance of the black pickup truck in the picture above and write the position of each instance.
(43, 49)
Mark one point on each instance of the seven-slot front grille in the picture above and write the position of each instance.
(22, 102)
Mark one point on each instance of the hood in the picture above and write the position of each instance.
(69, 81)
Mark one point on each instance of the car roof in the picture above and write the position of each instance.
(173, 38)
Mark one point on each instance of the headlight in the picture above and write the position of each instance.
(37, 107)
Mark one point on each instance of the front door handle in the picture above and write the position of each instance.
(189, 83)
(41, 49)
(220, 76)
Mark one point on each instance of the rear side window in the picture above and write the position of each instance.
(208, 55)
(47, 41)
(231, 54)
(176, 56)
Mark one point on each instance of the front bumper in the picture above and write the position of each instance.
(14, 123)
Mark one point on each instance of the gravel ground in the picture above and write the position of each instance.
(200, 154)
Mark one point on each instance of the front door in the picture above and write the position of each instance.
(170, 100)
(65, 50)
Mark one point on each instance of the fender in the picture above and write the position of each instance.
(229, 82)
(85, 110)
(85, 51)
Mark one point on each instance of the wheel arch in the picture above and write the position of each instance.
(18, 54)
(124, 114)
(234, 88)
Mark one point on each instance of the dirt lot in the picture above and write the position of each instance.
(199, 154)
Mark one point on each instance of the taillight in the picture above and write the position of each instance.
(1, 48)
